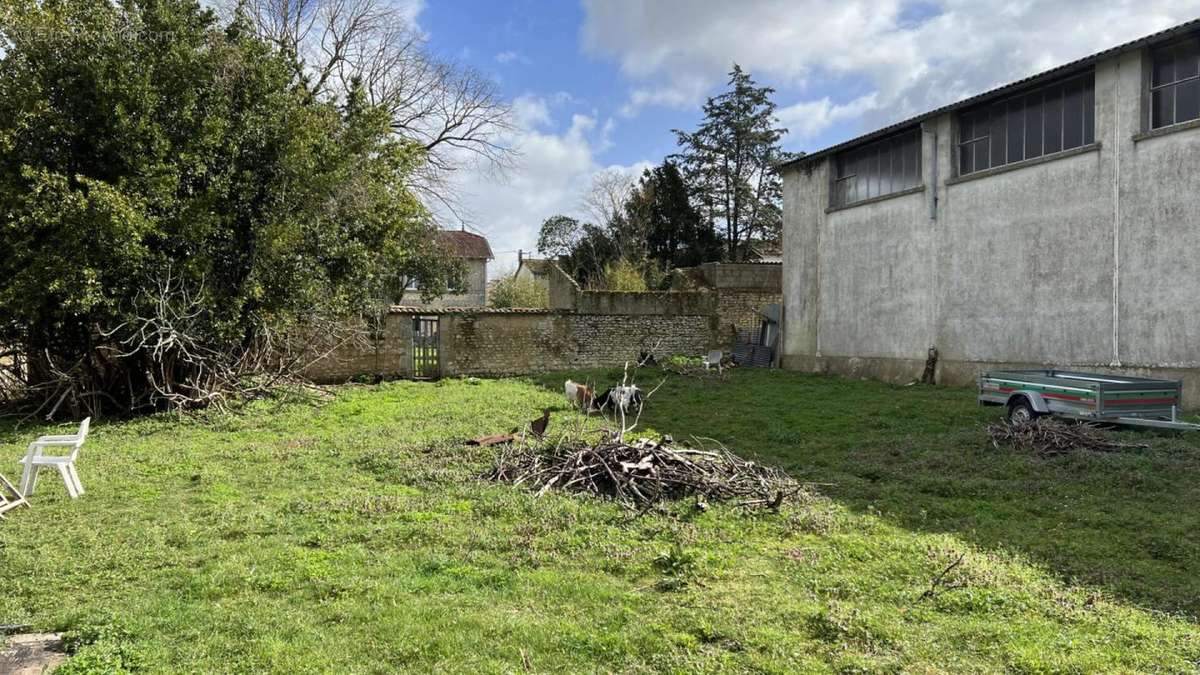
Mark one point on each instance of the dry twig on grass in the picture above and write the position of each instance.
(1047, 437)
(646, 472)
(939, 583)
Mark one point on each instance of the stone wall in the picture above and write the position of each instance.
(740, 308)
(651, 303)
(387, 352)
(742, 290)
(582, 329)
(496, 342)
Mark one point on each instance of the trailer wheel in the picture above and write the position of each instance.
(1021, 412)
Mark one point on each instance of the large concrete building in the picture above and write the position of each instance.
(1052, 221)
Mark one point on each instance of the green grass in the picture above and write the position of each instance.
(357, 537)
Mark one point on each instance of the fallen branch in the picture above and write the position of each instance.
(938, 584)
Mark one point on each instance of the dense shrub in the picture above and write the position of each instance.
(177, 213)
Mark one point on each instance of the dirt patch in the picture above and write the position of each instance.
(32, 654)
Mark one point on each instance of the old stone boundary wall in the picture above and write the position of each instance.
(582, 329)
(497, 342)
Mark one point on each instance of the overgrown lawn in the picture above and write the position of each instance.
(357, 537)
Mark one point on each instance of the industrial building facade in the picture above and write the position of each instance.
(1053, 221)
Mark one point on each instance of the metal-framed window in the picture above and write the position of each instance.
(1175, 83)
(1035, 123)
(876, 169)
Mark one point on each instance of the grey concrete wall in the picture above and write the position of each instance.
(1158, 279)
(1088, 259)
(564, 292)
(744, 276)
(652, 303)
(566, 295)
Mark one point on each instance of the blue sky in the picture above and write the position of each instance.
(533, 48)
(597, 85)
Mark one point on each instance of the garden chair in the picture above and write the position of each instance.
(713, 359)
(10, 497)
(34, 460)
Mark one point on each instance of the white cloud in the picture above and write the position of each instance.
(530, 112)
(509, 56)
(605, 143)
(898, 58)
(410, 9)
(554, 169)
(809, 118)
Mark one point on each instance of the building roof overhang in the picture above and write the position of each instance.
(1079, 65)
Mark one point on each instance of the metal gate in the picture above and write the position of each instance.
(426, 362)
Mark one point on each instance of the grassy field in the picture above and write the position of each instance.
(356, 537)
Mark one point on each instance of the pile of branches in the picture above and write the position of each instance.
(1046, 437)
(166, 358)
(646, 472)
(11, 384)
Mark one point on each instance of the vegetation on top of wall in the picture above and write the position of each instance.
(623, 275)
(512, 291)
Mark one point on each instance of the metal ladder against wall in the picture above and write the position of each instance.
(426, 358)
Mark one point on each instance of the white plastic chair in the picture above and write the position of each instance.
(713, 359)
(34, 460)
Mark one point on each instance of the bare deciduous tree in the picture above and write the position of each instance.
(605, 199)
(453, 111)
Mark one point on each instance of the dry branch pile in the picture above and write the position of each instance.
(645, 472)
(168, 357)
(1046, 437)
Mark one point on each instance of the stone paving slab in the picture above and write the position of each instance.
(32, 654)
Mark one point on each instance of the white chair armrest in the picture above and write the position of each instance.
(55, 442)
(65, 437)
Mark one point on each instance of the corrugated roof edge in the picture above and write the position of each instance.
(1155, 38)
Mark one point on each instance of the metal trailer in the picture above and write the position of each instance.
(1114, 399)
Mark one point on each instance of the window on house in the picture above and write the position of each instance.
(881, 168)
(1175, 84)
(1040, 122)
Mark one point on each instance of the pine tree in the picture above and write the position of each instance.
(676, 234)
(729, 164)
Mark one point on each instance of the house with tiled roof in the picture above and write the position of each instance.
(535, 269)
(475, 252)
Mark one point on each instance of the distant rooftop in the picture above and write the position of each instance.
(765, 253)
(466, 244)
(536, 265)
